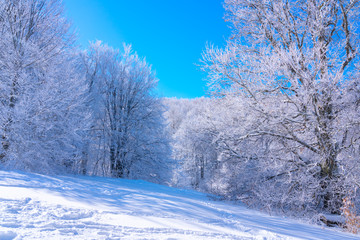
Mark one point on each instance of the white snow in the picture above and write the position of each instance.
(34, 206)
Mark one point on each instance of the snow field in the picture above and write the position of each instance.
(34, 206)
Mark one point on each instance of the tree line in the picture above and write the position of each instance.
(69, 110)
(280, 130)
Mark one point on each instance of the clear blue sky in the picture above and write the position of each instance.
(171, 34)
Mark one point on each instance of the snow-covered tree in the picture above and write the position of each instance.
(128, 132)
(292, 65)
(205, 145)
(40, 89)
(192, 144)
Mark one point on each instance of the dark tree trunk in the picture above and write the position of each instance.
(331, 196)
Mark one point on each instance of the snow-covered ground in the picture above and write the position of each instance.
(34, 206)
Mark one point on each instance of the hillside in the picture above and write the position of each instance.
(34, 206)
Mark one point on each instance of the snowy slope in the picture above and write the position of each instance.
(35, 206)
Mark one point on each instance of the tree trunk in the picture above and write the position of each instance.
(331, 195)
(12, 100)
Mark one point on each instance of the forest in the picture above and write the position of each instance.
(278, 131)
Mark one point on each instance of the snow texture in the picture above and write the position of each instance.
(34, 206)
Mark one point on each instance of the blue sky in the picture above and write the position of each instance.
(171, 34)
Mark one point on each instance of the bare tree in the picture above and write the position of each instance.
(292, 64)
(40, 87)
(127, 119)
